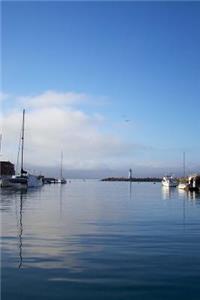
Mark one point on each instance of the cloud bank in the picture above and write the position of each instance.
(91, 145)
(54, 124)
(52, 98)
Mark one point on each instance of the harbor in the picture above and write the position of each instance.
(99, 150)
(188, 183)
(69, 239)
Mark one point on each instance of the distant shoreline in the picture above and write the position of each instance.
(134, 179)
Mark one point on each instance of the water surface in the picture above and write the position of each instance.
(100, 240)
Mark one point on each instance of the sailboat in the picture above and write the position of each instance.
(61, 180)
(25, 179)
(183, 183)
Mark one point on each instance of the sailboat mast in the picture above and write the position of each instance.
(22, 140)
(183, 164)
(61, 165)
(0, 142)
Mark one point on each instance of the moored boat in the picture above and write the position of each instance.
(183, 185)
(25, 179)
(61, 180)
(169, 181)
(194, 183)
(191, 184)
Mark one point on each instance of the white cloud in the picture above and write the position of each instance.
(54, 125)
(57, 122)
(3, 96)
(52, 98)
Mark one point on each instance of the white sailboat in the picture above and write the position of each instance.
(61, 180)
(183, 184)
(25, 179)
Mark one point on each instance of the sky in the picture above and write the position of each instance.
(114, 85)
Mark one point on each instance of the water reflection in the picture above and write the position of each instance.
(102, 242)
(190, 195)
(168, 192)
(171, 192)
(7, 197)
(130, 190)
(194, 196)
(60, 198)
(20, 228)
(12, 204)
(181, 192)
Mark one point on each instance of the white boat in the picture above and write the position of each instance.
(169, 181)
(25, 179)
(183, 185)
(61, 180)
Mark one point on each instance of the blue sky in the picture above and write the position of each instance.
(136, 61)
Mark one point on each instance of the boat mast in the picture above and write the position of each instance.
(184, 164)
(61, 165)
(0, 143)
(22, 138)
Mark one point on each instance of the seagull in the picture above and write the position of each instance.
(125, 118)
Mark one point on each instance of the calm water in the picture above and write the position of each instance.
(100, 240)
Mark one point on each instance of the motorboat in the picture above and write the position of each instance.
(183, 185)
(192, 183)
(169, 181)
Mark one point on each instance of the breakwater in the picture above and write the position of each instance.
(133, 179)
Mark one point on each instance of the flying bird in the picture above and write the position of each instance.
(125, 118)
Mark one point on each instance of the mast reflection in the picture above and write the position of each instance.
(190, 195)
(60, 198)
(20, 228)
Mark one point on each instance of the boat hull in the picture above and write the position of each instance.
(62, 181)
(169, 181)
(183, 186)
(5, 182)
(169, 184)
(27, 181)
